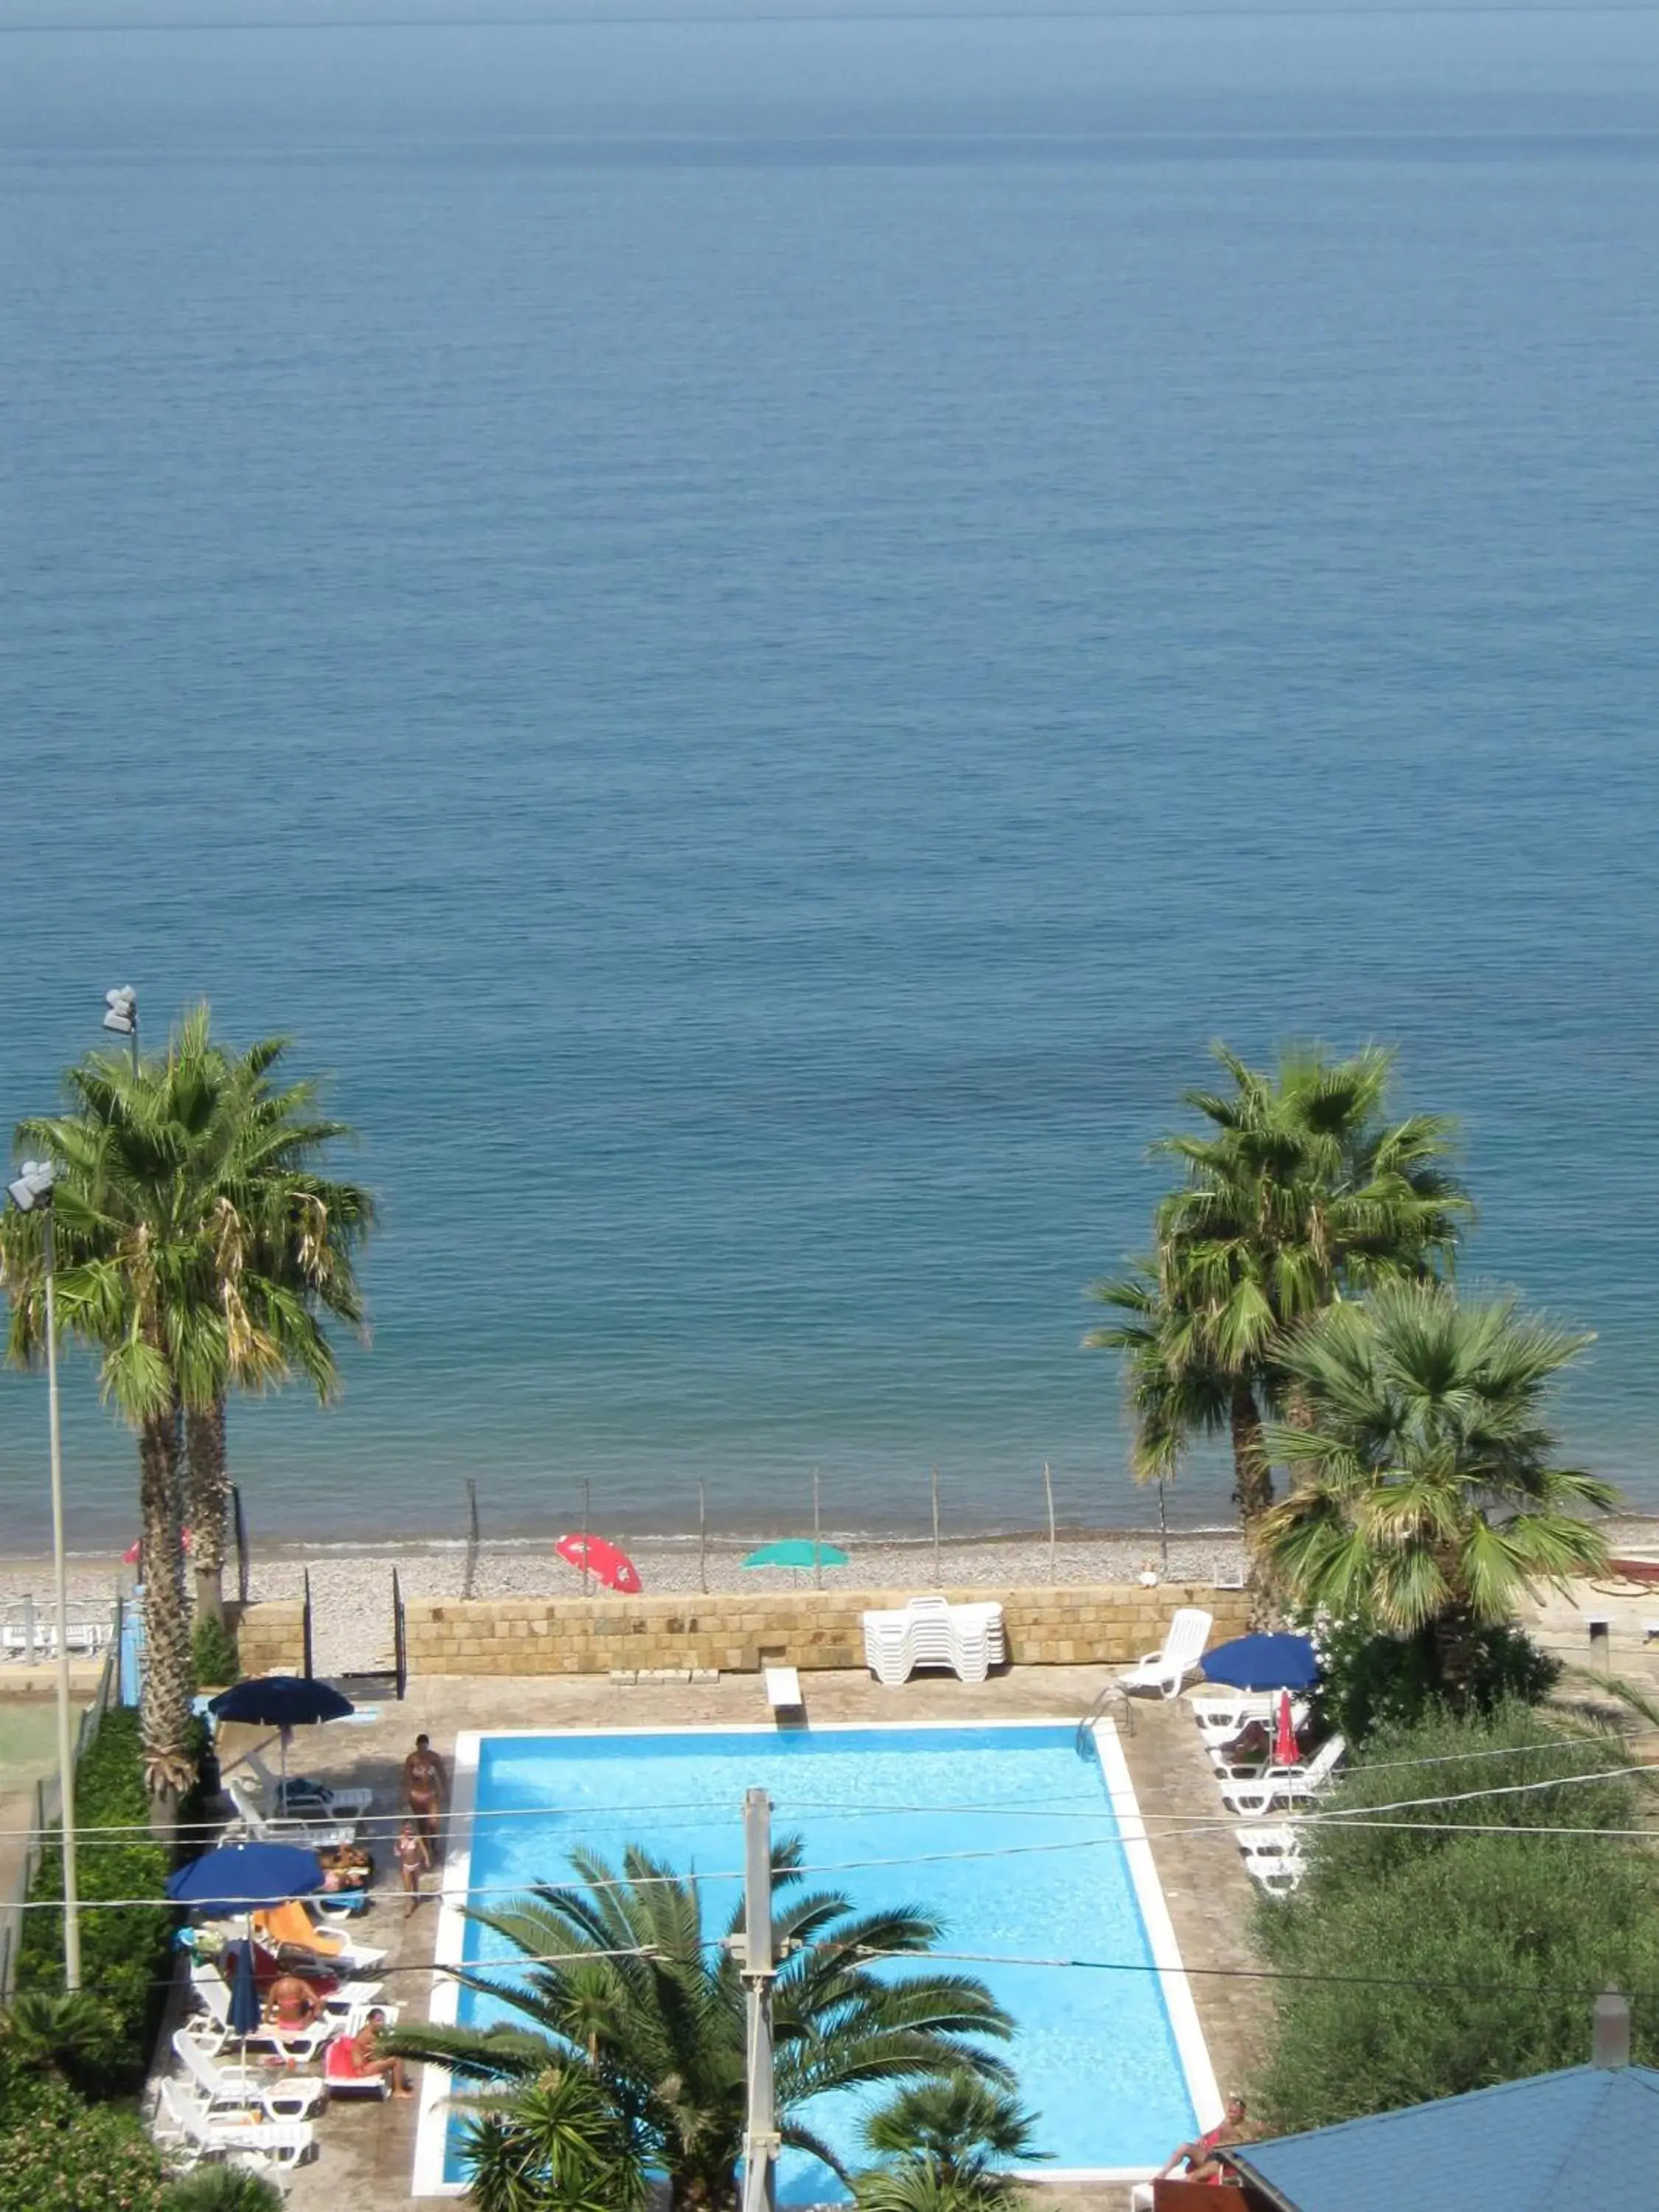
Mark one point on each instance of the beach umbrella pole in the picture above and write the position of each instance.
(817, 1562)
(1048, 1494)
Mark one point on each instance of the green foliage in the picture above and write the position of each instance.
(64, 2154)
(126, 1954)
(649, 2005)
(1425, 1492)
(1441, 1962)
(556, 2144)
(222, 2189)
(1300, 1189)
(921, 2185)
(1371, 1680)
(63, 2036)
(960, 2122)
(213, 1654)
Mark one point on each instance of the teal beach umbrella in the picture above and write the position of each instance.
(797, 1551)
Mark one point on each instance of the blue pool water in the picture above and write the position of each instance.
(1095, 2053)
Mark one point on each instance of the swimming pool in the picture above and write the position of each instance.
(1029, 1847)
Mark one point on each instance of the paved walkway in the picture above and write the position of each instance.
(368, 2150)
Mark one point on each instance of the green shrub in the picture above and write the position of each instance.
(66, 2156)
(1515, 1749)
(223, 2189)
(1473, 1965)
(1369, 1680)
(1438, 1959)
(213, 1654)
(126, 1954)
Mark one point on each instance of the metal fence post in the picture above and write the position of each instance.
(470, 1572)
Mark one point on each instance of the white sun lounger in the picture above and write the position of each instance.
(1284, 1785)
(931, 1632)
(1166, 1670)
(302, 1798)
(310, 1835)
(301, 2044)
(222, 2090)
(243, 2139)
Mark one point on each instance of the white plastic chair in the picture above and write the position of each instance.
(298, 2043)
(1165, 1671)
(1284, 1785)
(222, 2092)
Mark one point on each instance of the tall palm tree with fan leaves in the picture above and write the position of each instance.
(281, 1224)
(623, 1979)
(182, 1263)
(1426, 1491)
(1303, 1187)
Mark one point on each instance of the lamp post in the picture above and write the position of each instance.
(122, 1017)
(34, 1188)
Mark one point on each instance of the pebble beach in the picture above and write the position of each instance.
(351, 1590)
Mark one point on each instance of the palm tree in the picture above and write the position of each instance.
(552, 2144)
(624, 1983)
(947, 2140)
(283, 1234)
(174, 1263)
(1302, 1191)
(1424, 1488)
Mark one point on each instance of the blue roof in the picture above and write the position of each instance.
(1577, 2137)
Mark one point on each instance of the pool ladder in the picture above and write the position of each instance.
(1083, 1742)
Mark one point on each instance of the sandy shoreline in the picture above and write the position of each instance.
(351, 1590)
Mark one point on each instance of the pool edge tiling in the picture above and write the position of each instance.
(1179, 2011)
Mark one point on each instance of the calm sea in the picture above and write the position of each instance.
(755, 627)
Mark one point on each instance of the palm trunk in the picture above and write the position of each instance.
(208, 1488)
(1454, 1651)
(164, 1708)
(1253, 1482)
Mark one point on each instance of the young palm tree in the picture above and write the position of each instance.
(921, 2184)
(1301, 1191)
(174, 1263)
(964, 2125)
(553, 2144)
(1424, 1487)
(625, 1985)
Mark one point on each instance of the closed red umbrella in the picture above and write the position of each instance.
(601, 1560)
(1286, 1750)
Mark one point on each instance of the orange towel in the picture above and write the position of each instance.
(291, 1923)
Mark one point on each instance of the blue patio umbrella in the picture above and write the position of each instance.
(244, 1878)
(1263, 1663)
(282, 1702)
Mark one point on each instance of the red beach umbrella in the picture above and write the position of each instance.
(601, 1560)
(1286, 1750)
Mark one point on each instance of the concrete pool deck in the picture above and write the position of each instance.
(366, 2155)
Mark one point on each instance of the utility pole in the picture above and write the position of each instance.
(760, 2140)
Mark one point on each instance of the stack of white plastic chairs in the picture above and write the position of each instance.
(930, 1631)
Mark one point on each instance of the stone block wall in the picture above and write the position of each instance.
(1110, 1623)
(270, 1639)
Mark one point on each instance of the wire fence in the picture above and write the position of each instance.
(47, 1805)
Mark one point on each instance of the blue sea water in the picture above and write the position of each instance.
(885, 1816)
(755, 625)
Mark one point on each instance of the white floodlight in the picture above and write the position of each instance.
(122, 1015)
